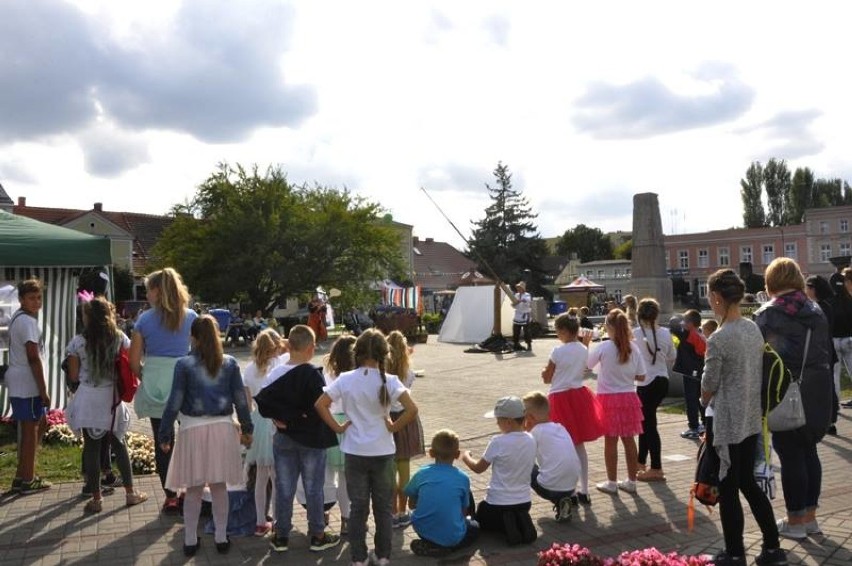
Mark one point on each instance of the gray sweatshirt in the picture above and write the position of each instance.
(733, 370)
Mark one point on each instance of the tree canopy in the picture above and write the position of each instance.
(590, 244)
(507, 238)
(247, 236)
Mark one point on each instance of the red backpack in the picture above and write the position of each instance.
(126, 380)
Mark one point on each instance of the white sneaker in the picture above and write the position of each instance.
(608, 486)
(812, 528)
(374, 560)
(627, 485)
(795, 532)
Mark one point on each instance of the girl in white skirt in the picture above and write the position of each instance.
(207, 388)
(265, 351)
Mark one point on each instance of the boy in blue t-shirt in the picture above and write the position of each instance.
(440, 496)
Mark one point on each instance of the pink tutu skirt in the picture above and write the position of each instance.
(579, 412)
(622, 413)
(205, 454)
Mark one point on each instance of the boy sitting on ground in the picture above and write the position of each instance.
(440, 496)
(557, 468)
(506, 508)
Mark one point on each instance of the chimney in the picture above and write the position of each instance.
(99, 206)
(22, 201)
(415, 240)
(430, 240)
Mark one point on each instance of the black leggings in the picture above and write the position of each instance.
(92, 459)
(162, 458)
(651, 396)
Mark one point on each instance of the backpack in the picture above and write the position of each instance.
(706, 486)
(126, 381)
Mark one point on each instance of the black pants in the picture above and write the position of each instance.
(92, 459)
(162, 458)
(516, 334)
(801, 470)
(740, 478)
(490, 517)
(651, 396)
(552, 496)
(692, 394)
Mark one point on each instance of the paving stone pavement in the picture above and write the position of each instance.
(456, 390)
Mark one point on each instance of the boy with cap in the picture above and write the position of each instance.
(507, 503)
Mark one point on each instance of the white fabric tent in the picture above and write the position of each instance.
(471, 316)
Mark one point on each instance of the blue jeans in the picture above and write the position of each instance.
(692, 394)
(291, 461)
(370, 477)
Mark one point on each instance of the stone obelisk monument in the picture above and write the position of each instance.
(648, 268)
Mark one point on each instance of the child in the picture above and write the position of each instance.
(91, 362)
(207, 387)
(555, 474)
(265, 352)
(299, 446)
(409, 441)
(709, 327)
(572, 404)
(506, 508)
(366, 394)
(621, 364)
(690, 364)
(27, 386)
(440, 496)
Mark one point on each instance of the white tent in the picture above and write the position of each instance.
(471, 316)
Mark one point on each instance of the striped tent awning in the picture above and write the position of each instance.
(406, 297)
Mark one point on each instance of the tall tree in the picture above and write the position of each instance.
(589, 244)
(801, 195)
(776, 182)
(752, 188)
(507, 238)
(828, 192)
(247, 236)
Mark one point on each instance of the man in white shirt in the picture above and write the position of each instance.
(522, 304)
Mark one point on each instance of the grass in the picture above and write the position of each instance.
(56, 463)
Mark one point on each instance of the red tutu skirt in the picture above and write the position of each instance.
(579, 412)
(622, 413)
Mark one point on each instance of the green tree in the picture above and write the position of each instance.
(801, 195)
(752, 188)
(828, 192)
(589, 244)
(257, 238)
(776, 182)
(507, 238)
(624, 251)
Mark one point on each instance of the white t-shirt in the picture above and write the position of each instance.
(408, 382)
(614, 377)
(19, 377)
(512, 456)
(558, 463)
(77, 347)
(358, 391)
(665, 350)
(277, 367)
(254, 380)
(570, 361)
(523, 308)
(336, 407)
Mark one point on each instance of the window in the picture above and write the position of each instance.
(590, 273)
(745, 254)
(845, 248)
(791, 250)
(823, 227)
(844, 225)
(627, 273)
(824, 252)
(601, 274)
(702, 290)
(617, 273)
(724, 257)
(703, 258)
(768, 253)
(683, 259)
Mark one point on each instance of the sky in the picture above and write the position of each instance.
(133, 104)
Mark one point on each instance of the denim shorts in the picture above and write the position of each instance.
(27, 408)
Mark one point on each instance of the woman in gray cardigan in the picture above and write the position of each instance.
(730, 389)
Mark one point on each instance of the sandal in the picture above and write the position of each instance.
(135, 498)
(94, 506)
(651, 475)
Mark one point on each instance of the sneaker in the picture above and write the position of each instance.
(263, 530)
(135, 498)
(94, 506)
(701, 429)
(575, 501)
(402, 520)
(812, 528)
(847, 404)
(34, 486)
(16, 485)
(376, 561)
(326, 541)
(795, 532)
(627, 485)
(87, 493)
(584, 499)
(279, 544)
(422, 547)
(563, 509)
(690, 434)
(608, 486)
(774, 557)
(725, 559)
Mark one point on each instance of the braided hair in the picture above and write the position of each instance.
(373, 346)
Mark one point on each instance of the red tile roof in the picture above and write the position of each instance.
(438, 264)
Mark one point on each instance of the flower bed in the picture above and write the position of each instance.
(576, 555)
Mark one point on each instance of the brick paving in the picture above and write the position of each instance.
(456, 390)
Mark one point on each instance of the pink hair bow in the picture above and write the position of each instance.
(85, 296)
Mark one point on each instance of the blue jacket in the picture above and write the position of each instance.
(196, 394)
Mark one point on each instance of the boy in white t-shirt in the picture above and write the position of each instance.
(557, 467)
(507, 503)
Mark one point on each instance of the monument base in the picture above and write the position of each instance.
(658, 288)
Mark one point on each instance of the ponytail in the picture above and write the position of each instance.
(208, 346)
(617, 321)
(373, 346)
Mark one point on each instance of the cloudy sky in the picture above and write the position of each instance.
(134, 104)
